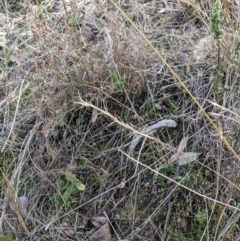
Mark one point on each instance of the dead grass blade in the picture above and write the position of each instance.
(16, 204)
(15, 115)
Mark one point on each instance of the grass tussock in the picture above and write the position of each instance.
(81, 92)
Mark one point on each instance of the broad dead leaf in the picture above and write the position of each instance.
(150, 130)
(182, 145)
(102, 234)
(89, 19)
(67, 229)
(148, 233)
(82, 222)
(22, 203)
(23, 200)
(159, 107)
(187, 157)
(98, 221)
(174, 158)
(203, 48)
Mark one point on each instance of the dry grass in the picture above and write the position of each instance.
(78, 84)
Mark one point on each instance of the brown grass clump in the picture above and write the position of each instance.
(81, 94)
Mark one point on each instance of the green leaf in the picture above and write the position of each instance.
(70, 176)
(80, 186)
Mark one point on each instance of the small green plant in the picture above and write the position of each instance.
(76, 22)
(67, 197)
(127, 115)
(200, 176)
(115, 80)
(236, 58)
(6, 237)
(76, 125)
(74, 181)
(148, 109)
(160, 180)
(216, 22)
(68, 189)
(201, 218)
(25, 98)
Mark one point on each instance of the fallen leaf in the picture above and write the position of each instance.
(174, 158)
(203, 48)
(187, 157)
(150, 130)
(98, 221)
(64, 224)
(157, 106)
(94, 116)
(67, 229)
(69, 232)
(102, 234)
(82, 222)
(22, 202)
(89, 18)
(182, 145)
(148, 233)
